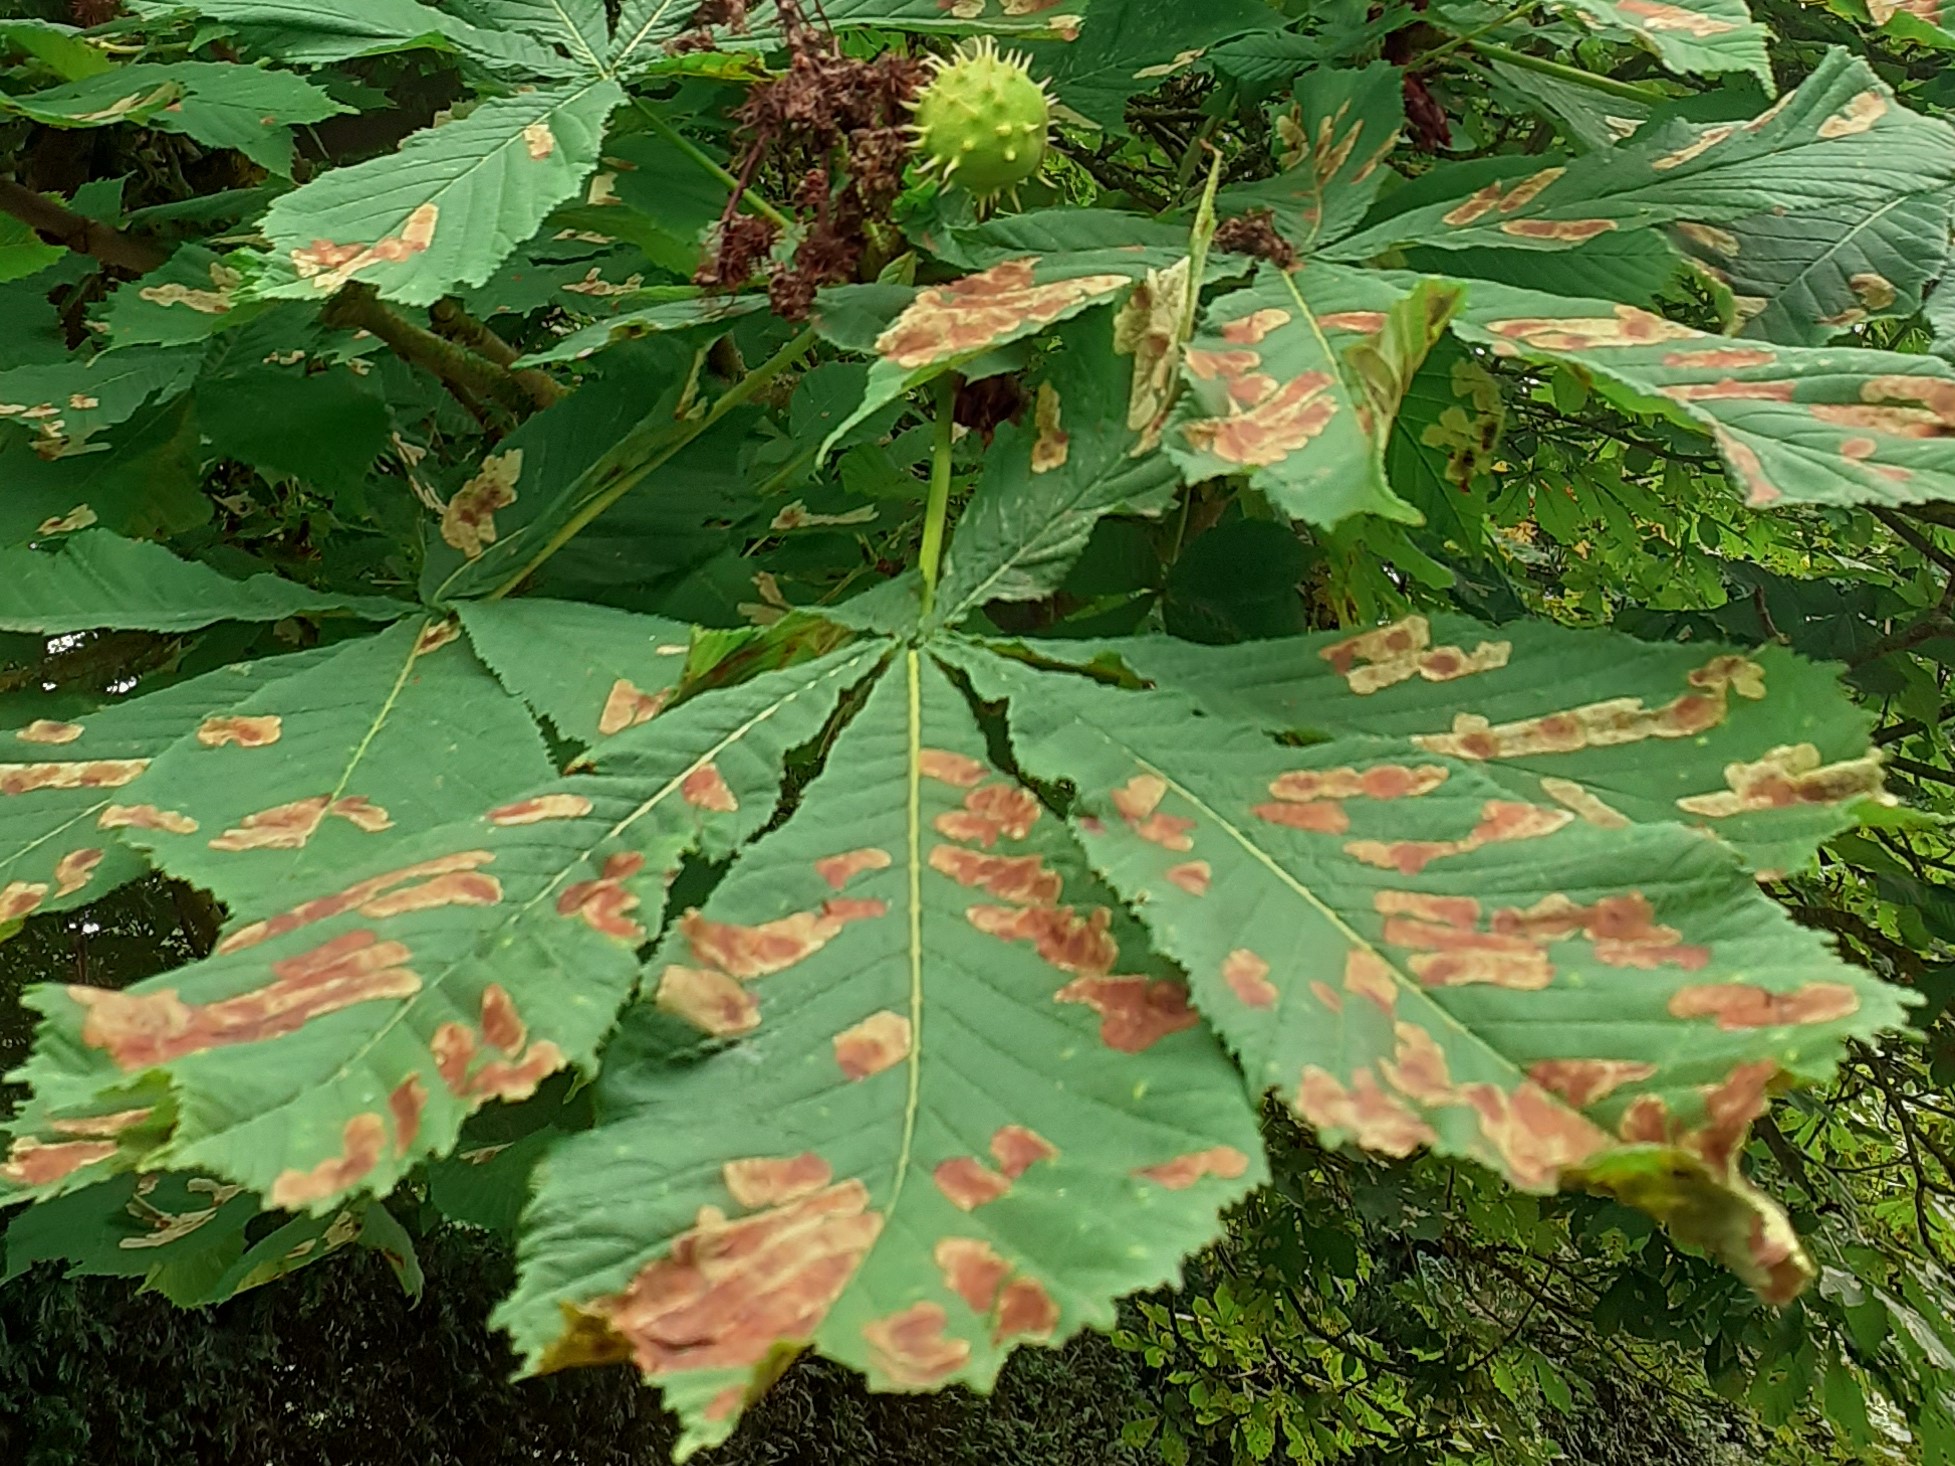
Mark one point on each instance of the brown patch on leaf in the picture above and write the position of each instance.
(1587, 806)
(361, 1142)
(20, 899)
(436, 635)
(74, 870)
(447, 880)
(705, 789)
(1380, 781)
(973, 313)
(110, 773)
(32, 1162)
(45, 730)
(1502, 197)
(1135, 1012)
(328, 265)
(1572, 230)
(1738, 1005)
(1017, 1148)
(709, 1000)
(145, 817)
(909, 1347)
(1584, 1081)
(1607, 724)
(1268, 420)
(760, 1181)
(245, 732)
(291, 826)
(539, 808)
(1050, 446)
(971, 1270)
(1248, 978)
(1224, 1161)
(405, 1102)
(626, 707)
(1248, 330)
(1384, 657)
(839, 870)
(878, 1042)
(1722, 358)
(1066, 940)
(1322, 818)
(602, 904)
(96, 1127)
(468, 522)
(1500, 821)
(1695, 148)
(538, 141)
(1025, 1311)
(1369, 976)
(143, 1030)
(748, 952)
(968, 1183)
(990, 813)
(1192, 876)
(502, 1025)
(726, 1293)
(1024, 879)
(1137, 800)
(1627, 327)
(1787, 776)
(1859, 114)
(1363, 1110)
(955, 769)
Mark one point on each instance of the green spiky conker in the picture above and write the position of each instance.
(981, 123)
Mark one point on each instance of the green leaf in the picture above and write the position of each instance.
(688, 314)
(1295, 381)
(1540, 709)
(95, 579)
(220, 104)
(1832, 425)
(189, 297)
(65, 402)
(1841, 142)
(320, 428)
(60, 48)
(948, 1127)
(313, 32)
(590, 671)
(448, 207)
(1801, 279)
(1133, 47)
(1702, 36)
(644, 26)
(21, 251)
(917, 335)
(1336, 136)
(359, 1008)
(1415, 958)
(1047, 482)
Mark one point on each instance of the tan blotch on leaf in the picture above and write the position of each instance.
(468, 523)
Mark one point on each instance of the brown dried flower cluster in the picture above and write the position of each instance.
(828, 117)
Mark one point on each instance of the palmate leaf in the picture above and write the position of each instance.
(348, 1022)
(1830, 425)
(917, 335)
(1702, 36)
(1413, 957)
(448, 207)
(66, 401)
(1295, 381)
(1840, 142)
(95, 579)
(1760, 747)
(1124, 49)
(217, 103)
(1336, 136)
(1046, 483)
(315, 33)
(962, 1106)
(1802, 279)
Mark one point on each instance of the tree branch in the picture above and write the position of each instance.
(455, 324)
(59, 224)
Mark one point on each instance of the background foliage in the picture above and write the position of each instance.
(542, 421)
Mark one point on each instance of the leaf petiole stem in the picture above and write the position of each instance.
(704, 161)
(625, 475)
(930, 557)
(1629, 90)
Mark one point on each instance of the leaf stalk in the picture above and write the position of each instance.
(937, 510)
